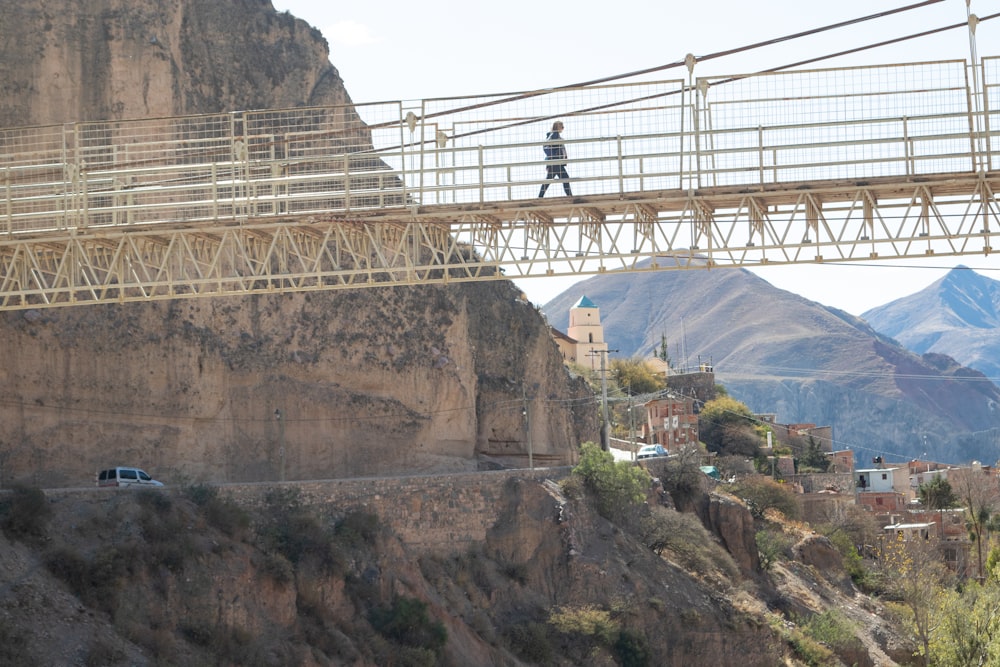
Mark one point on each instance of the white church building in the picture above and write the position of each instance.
(583, 343)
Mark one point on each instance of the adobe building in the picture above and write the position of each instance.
(672, 421)
(788, 433)
(841, 460)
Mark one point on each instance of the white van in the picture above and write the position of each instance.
(125, 477)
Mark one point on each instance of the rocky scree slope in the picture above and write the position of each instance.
(189, 577)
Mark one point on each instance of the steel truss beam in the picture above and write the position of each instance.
(876, 220)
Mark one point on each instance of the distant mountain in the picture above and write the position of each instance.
(958, 315)
(779, 352)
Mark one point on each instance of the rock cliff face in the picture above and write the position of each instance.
(370, 382)
(68, 61)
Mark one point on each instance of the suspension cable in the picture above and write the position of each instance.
(679, 63)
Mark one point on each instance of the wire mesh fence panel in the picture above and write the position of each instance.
(323, 159)
(32, 155)
(37, 178)
(491, 148)
(149, 143)
(838, 123)
(991, 111)
(891, 121)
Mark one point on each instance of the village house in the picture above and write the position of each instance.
(924, 472)
(889, 492)
(790, 434)
(841, 460)
(671, 421)
(882, 489)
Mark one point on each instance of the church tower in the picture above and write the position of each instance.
(586, 330)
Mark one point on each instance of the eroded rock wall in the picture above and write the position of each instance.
(301, 386)
(67, 61)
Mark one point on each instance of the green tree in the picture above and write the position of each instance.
(618, 486)
(813, 458)
(408, 623)
(912, 573)
(661, 352)
(727, 426)
(772, 545)
(993, 565)
(937, 494)
(978, 493)
(635, 376)
(966, 629)
(763, 493)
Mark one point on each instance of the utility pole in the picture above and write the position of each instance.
(526, 413)
(631, 424)
(631, 421)
(281, 451)
(605, 426)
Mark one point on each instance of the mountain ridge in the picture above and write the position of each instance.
(958, 315)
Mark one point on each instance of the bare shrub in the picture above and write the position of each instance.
(683, 537)
(221, 513)
(763, 493)
(26, 515)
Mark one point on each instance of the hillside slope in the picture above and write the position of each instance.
(190, 578)
(778, 352)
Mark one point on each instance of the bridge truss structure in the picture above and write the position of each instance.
(809, 166)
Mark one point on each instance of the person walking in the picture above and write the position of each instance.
(555, 155)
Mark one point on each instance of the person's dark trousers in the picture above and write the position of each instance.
(553, 171)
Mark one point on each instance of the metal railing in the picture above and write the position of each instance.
(745, 131)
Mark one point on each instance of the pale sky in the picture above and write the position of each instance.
(394, 50)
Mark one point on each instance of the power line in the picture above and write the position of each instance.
(269, 417)
(679, 63)
(793, 372)
(771, 42)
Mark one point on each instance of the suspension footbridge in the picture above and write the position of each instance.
(809, 166)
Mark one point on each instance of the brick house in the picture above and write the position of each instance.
(882, 489)
(671, 422)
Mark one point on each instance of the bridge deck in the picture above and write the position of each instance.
(819, 165)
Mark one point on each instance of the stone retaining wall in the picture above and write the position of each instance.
(430, 513)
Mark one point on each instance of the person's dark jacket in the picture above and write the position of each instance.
(554, 151)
